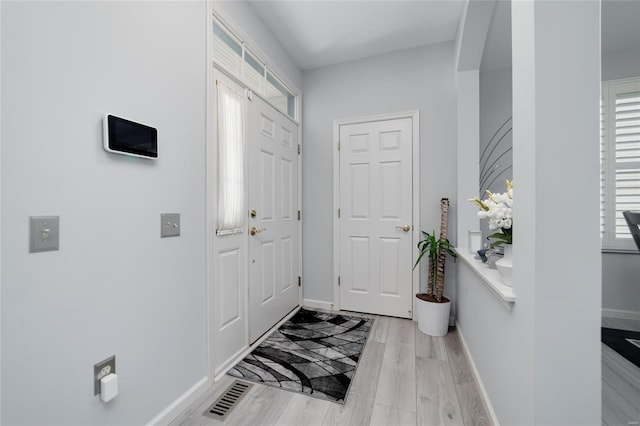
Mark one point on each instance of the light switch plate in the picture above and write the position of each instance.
(44, 233)
(169, 225)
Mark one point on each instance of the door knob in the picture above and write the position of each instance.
(254, 230)
(405, 228)
(252, 213)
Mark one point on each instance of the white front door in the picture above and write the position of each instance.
(376, 210)
(273, 216)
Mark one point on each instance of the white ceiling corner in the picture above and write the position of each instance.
(321, 33)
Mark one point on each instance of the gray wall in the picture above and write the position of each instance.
(114, 287)
(421, 79)
(620, 64)
(496, 165)
(495, 110)
(620, 272)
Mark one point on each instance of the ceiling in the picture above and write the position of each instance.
(321, 33)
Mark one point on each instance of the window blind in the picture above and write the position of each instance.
(234, 56)
(227, 50)
(620, 160)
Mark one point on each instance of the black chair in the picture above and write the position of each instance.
(633, 220)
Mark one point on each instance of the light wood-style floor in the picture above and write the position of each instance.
(404, 378)
(620, 381)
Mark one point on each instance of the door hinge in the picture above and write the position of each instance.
(338, 280)
(338, 213)
(299, 214)
(338, 145)
(250, 95)
(299, 149)
(299, 281)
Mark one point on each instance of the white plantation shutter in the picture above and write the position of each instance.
(620, 160)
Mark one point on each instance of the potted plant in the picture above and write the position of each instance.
(498, 208)
(432, 307)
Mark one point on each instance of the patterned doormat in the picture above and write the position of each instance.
(313, 353)
(626, 343)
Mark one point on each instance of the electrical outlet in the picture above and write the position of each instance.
(101, 369)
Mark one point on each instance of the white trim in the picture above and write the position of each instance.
(476, 374)
(243, 353)
(318, 304)
(415, 125)
(174, 409)
(210, 193)
(620, 314)
(300, 273)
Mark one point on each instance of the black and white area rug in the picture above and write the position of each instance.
(313, 353)
(626, 343)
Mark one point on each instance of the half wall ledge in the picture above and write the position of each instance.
(490, 277)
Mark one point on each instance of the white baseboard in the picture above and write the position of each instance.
(476, 373)
(179, 405)
(616, 313)
(317, 304)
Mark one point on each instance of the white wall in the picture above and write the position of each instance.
(468, 140)
(420, 78)
(620, 272)
(530, 358)
(114, 287)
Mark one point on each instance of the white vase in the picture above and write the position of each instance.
(505, 265)
(433, 318)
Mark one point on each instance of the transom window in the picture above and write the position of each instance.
(231, 53)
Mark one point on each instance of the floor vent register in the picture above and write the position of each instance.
(228, 401)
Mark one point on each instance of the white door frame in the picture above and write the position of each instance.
(217, 368)
(415, 119)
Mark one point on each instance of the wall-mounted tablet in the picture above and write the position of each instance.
(127, 137)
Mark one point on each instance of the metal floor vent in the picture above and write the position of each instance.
(227, 402)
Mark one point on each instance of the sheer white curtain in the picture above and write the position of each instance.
(231, 153)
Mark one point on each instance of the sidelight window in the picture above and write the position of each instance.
(231, 153)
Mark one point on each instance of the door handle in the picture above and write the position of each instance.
(405, 228)
(253, 231)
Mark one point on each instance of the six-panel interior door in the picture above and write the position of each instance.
(273, 218)
(376, 217)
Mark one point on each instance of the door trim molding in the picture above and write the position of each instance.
(415, 125)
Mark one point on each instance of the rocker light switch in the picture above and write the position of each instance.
(169, 225)
(44, 233)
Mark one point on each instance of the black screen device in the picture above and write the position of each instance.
(122, 136)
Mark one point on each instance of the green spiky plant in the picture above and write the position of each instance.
(436, 250)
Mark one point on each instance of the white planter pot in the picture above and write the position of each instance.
(505, 265)
(433, 318)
